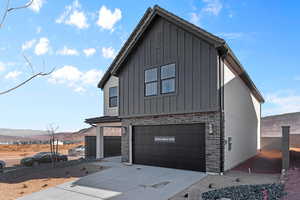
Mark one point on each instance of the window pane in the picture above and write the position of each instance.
(167, 71)
(168, 86)
(113, 101)
(151, 75)
(113, 92)
(151, 89)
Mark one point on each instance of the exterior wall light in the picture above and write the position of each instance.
(210, 129)
(229, 143)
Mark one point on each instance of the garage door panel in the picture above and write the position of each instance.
(112, 146)
(175, 146)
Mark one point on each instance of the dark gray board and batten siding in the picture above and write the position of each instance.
(196, 73)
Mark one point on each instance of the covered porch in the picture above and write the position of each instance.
(106, 127)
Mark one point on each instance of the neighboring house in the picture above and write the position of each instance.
(181, 97)
(271, 130)
(58, 142)
(271, 125)
(92, 132)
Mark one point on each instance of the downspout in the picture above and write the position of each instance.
(222, 54)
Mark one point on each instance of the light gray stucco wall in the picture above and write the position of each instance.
(112, 82)
(242, 120)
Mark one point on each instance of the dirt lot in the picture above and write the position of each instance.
(12, 154)
(293, 176)
(13, 186)
(266, 161)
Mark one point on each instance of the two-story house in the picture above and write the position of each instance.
(181, 97)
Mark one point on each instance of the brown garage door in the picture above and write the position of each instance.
(90, 146)
(112, 146)
(173, 146)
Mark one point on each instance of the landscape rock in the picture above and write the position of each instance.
(246, 192)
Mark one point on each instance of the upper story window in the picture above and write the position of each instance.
(167, 80)
(113, 96)
(151, 82)
(167, 76)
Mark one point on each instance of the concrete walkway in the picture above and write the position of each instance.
(122, 182)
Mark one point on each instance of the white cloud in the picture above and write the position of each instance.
(37, 5)
(68, 10)
(67, 52)
(13, 75)
(2, 66)
(73, 16)
(89, 51)
(195, 18)
(42, 46)
(212, 6)
(91, 77)
(78, 19)
(231, 36)
(282, 102)
(76, 79)
(38, 30)
(65, 74)
(108, 52)
(107, 19)
(28, 44)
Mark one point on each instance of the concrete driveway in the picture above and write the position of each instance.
(122, 182)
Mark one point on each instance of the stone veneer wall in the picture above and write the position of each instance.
(212, 141)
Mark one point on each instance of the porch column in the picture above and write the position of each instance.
(130, 143)
(285, 147)
(99, 142)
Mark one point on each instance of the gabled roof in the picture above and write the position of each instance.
(148, 17)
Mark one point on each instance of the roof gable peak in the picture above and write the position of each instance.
(146, 20)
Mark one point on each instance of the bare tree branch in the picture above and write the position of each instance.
(21, 7)
(8, 9)
(4, 14)
(34, 75)
(53, 146)
(27, 80)
(29, 63)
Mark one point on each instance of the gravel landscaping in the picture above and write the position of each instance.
(247, 192)
(229, 179)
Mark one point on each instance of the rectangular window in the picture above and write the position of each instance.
(113, 97)
(151, 82)
(167, 76)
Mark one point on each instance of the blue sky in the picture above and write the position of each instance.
(80, 38)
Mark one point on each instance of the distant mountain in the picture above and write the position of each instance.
(10, 135)
(21, 132)
(5, 138)
(271, 125)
